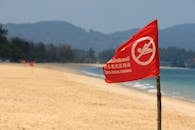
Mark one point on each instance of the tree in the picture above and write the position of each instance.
(65, 53)
(51, 53)
(39, 52)
(105, 55)
(90, 58)
(79, 55)
(4, 44)
(23, 47)
(3, 33)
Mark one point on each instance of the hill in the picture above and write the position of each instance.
(179, 36)
(60, 32)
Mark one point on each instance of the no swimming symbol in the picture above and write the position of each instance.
(142, 47)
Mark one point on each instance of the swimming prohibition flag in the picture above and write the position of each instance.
(137, 58)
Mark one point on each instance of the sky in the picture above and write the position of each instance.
(106, 16)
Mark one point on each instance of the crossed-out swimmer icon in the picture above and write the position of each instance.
(138, 53)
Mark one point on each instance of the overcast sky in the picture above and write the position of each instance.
(101, 15)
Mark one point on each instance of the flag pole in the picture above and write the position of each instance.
(158, 103)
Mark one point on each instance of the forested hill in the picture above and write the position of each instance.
(61, 32)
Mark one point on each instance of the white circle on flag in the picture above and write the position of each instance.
(148, 48)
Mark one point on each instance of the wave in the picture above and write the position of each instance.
(92, 74)
(141, 86)
(169, 82)
(134, 84)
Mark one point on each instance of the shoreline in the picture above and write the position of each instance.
(52, 97)
(77, 68)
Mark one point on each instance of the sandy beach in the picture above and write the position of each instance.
(50, 97)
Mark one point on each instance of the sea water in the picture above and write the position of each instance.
(175, 82)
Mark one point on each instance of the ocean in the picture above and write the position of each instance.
(175, 82)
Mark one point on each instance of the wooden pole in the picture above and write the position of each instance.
(158, 102)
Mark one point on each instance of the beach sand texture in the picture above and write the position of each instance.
(48, 99)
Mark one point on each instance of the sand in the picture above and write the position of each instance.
(49, 97)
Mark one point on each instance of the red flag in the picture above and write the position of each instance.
(31, 63)
(137, 58)
(23, 61)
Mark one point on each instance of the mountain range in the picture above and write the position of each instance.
(61, 32)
